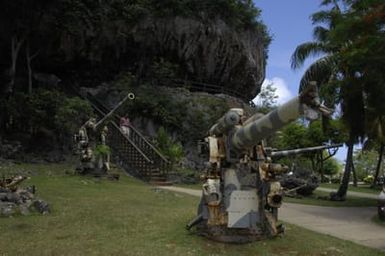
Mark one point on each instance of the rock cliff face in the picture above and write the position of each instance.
(209, 52)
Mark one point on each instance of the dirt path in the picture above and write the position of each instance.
(349, 223)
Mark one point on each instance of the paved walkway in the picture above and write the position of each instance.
(351, 193)
(349, 223)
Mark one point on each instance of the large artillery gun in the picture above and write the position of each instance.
(241, 194)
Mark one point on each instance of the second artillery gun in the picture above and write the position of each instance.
(241, 194)
(301, 181)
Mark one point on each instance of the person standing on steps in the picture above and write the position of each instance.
(125, 125)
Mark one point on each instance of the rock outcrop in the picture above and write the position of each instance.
(207, 51)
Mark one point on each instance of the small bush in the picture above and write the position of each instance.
(368, 179)
(335, 180)
(171, 149)
(102, 150)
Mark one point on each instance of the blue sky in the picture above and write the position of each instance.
(290, 25)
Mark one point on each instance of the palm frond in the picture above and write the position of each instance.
(320, 33)
(319, 71)
(322, 17)
(306, 50)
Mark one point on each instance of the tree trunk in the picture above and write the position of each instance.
(354, 175)
(29, 59)
(341, 193)
(380, 154)
(15, 48)
(319, 165)
(27, 55)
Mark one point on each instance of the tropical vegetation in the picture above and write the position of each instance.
(348, 37)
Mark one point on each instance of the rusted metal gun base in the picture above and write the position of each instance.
(230, 235)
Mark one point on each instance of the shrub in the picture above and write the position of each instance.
(368, 179)
(171, 149)
(72, 114)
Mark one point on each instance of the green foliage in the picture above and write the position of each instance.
(72, 114)
(48, 111)
(124, 81)
(30, 112)
(102, 150)
(335, 180)
(365, 162)
(368, 179)
(267, 98)
(331, 167)
(292, 136)
(171, 149)
(177, 110)
(350, 36)
(204, 112)
(157, 106)
(164, 69)
(238, 13)
(297, 135)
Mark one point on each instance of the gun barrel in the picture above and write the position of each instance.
(282, 153)
(130, 96)
(307, 104)
(227, 122)
(253, 132)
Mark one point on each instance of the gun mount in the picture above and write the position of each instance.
(241, 194)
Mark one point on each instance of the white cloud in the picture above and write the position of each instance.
(282, 90)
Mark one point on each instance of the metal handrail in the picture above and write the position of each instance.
(199, 86)
(149, 144)
(134, 129)
(132, 143)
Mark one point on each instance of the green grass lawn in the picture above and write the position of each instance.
(321, 198)
(360, 188)
(317, 198)
(128, 217)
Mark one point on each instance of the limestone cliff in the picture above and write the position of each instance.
(207, 51)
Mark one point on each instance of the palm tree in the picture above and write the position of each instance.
(334, 77)
(376, 128)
